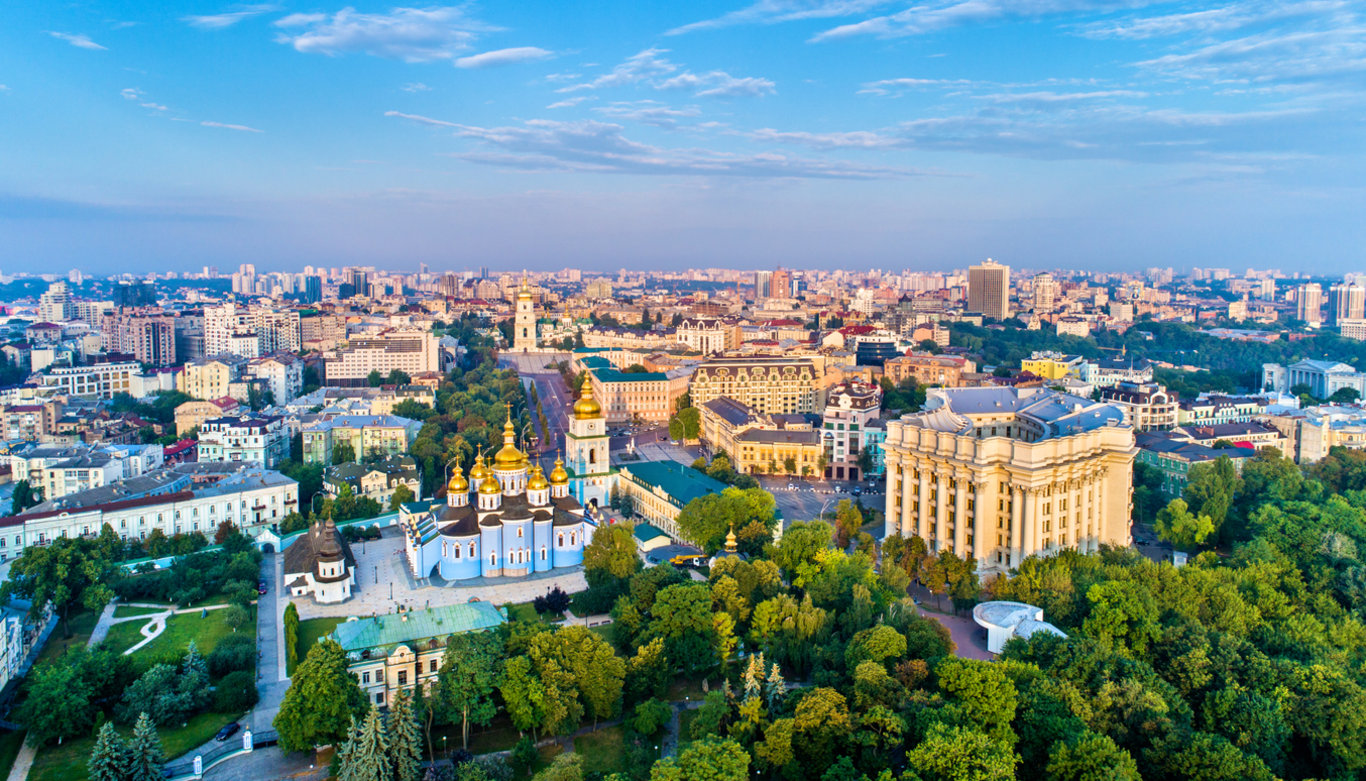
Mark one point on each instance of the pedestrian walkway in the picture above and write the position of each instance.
(156, 622)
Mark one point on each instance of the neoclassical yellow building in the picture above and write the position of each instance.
(765, 385)
(999, 474)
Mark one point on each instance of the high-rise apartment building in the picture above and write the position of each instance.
(1346, 302)
(999, 474)
(148, 336)
(780, 284)
(1045, 293)
(250, 331)
(54, 305)
(1309, 303)
(763, 284)
(989, 290)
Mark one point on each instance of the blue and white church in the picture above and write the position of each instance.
(507, 519)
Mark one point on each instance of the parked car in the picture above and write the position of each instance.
(261, 587)
(228, 731)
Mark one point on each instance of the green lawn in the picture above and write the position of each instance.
(81, 625)
(499, 735)
(685, 720)
(124, 611)
(310, 631)
(180, 630)
(9, 749)
(604, 751)
(67, 761)
(687, 688)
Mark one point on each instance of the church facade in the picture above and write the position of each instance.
(507, 518)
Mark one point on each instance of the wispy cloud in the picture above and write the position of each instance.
(547, 146)
(571, 102)
(900, 86)
(857, 139)
(415, 86)
(228, 19)
(4, 88)
(649, 112)
(777, 11)
(408, 34)
(131, 93)
(1273, 56)
(1210, 20)
(504, 57)
(649, 68)
(226, 126)
(78, 40)
(941, 14)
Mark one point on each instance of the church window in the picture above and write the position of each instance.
(493, 559)
(561, 540)
(571, 538)
(471, 550)
(444, 548)
(519, 532)
(542, 553)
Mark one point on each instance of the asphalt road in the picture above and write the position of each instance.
(802, 500)
(550, 388)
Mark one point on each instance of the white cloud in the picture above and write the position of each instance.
(857, 139)
(1335, 53)
(415, 86)
(587, 146)
(220, 21)
(653, 70)
(78, 40)
(649, 112)
(898, 86)
(154, 106)
(131, 93)
(940, 14)
(4, 88)
(719, 84)
(421, 120)
(777, 11)
(504, 57)
(1212, 20)
(226, 126)
(408, 34)
(571, 102)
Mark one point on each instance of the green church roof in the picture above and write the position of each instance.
(414, 625)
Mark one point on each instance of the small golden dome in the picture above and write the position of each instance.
(509, 457)
(557, 475)
(490, 486)
(479, 471)
(458, 483)
(537, 481)
(587, 407)
(524, 293)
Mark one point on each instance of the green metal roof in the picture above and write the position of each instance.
(679, 481)
(396, 628)
(646, 532)
(612, 375)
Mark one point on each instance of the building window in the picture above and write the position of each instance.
(431, 666)
(402, 677)
(365, 677)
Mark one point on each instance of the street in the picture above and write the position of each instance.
(534, 369)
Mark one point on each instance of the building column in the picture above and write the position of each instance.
(960, 512)
(1017, 495)
(941, 512)
(923, 502)
(980, 548)
(1034, 522)
(906, 496)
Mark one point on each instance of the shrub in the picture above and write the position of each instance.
(233, 653)
(236, 692)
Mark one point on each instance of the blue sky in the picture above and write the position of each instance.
(807, 133)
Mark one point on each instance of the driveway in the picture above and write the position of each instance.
(271, 682)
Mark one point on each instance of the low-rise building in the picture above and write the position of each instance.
(374, 479)
(398, 651)
(210, 379)
(97, 381)
(765, 385)
(852, 431)
(761, 444)
(192, 414)
(1147, 406)
(629, 397)
(369, 436)
(408, 350)
(319, 564)
(943, 370)
(659, 490)
(1173, 456)
(254, 440)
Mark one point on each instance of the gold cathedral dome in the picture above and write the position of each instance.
(587, 407)
(557, 475)
(458, 483)
(537, 481)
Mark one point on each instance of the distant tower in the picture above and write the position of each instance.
(1309, 304)
(586, 446)
(524, 324)
(989, 290)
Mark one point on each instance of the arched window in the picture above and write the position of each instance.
(519, 532)
(593, 456)
(560, 543)
(471, 550)
(457, 550)
(444, 549)
(493, 559)
(571, 538)
(542, 553)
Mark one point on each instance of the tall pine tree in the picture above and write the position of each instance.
(109, 760)
(368, 756)
(144, 752)
(405, 740)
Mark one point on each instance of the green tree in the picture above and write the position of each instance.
(705, 760)
(523, 695)
(109, 760)
(611, 558)
(405, 739)
(848, 522)
(469, 674)
(823, 724)
(565, 767)
(343, 453)
(1123, 614)
(1091, 757)
(145, 756)
(986, 696)
(682, 617)
(1183, 529)
(401, 496)
(321, 700)
(648, 672)
(961, 754)
(291, 623)
(1210, 488)
(374, 379)
(57, 705)
(24, 497)
(707, 519)
(69, 572)
(367, 752)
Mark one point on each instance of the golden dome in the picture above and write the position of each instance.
(458, 483)
(537, 481)
(558, 476)
(524, 293)
(478, 472)
(490, 486)
(587, 407)
(509, 457)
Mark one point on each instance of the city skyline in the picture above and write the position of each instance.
(839, 134)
